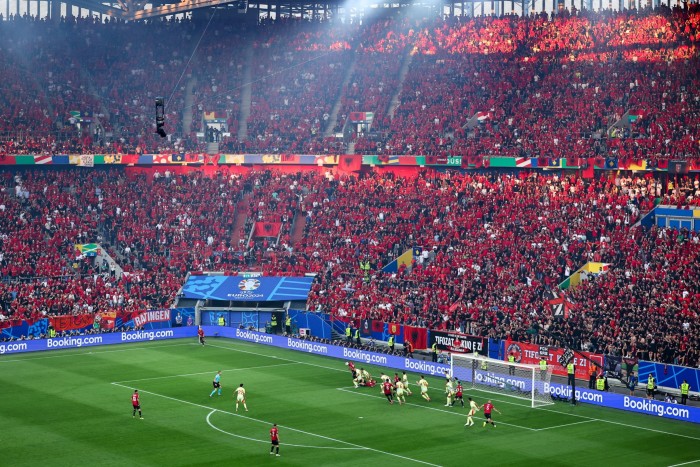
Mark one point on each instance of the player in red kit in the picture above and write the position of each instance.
(351, 366)
(200, 335)
(459, 392)
(388, 388)
(274, 440)
(488, 407)
(136, 404)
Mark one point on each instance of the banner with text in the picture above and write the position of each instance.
(530, 354)
(458, 342)
(90, 340)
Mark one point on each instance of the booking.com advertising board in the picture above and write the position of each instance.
(603, 399)
(90, 340)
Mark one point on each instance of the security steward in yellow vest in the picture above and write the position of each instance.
(273, 323)
(685, 389)
(511, 368)
(348, 334)
(651, 384)
(434, 351)
(288, 325)
(543, 366)
(391, 342)
(600, 383)
(357, 336)
(222, 321)
(571, 377)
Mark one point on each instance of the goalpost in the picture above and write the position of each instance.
(516, 380)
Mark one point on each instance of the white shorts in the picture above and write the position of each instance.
(240, 398)
(423, 390)
(399, 392)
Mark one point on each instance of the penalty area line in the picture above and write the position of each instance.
(286, 427)
(612, 422)
(566, 424)
(203, 373)
(432, 408)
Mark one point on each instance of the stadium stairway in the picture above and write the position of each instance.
(333, 119)
(297, 232)
(246, 96)
(187, 111)
(240, 218)
(395, 101)
(212, 148)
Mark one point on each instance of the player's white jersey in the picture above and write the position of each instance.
(423, 383)
(473, 408)
(240, 393)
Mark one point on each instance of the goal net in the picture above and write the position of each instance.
(516, 380)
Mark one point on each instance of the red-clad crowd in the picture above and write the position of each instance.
(487, 248)
(571, 85)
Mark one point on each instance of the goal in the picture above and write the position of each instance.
(516, 380)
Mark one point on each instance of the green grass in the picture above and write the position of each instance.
(73, 407)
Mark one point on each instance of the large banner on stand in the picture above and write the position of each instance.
(457, 342)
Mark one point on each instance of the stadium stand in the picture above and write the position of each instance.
(492, 243)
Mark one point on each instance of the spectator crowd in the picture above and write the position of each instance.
(489, 247)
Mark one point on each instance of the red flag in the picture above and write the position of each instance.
(588, 169)
(377, 326)
(349, 163)
(267, 229)
(417, 336)
(394, 328)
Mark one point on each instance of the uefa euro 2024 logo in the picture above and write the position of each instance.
(247, 285)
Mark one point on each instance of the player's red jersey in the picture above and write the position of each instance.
(351, 365)
(135, 399)
(488, 407)
(397, 378)
(200, 333)
(273, 434)
(459, 390)
(387, 387)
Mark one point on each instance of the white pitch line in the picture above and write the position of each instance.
(567, 424)
(685, 463)
(87, 353)
(288, 428)
(204, 373)
(278, 358)
(431, 408)
(593, 419)
(209, 422)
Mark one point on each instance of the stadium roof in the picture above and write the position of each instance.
(133, 10)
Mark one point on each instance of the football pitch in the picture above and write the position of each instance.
(73, 408)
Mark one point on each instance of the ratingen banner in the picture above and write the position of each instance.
(458, 342)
